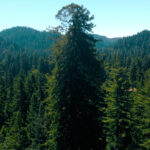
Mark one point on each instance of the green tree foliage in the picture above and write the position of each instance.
(35, 128)
(16, 138)
(31, 40)
(2, 98)
(35, 118)
(141, 113)
(77, 77)
(57, 101)
(17, 87)
(118, 117)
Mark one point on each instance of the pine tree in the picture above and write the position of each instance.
(20, 102)
(75, 100)
(2, 98)
(16, 137)
(35, 89)
(118, 117)
(35, 127)
(141, 115)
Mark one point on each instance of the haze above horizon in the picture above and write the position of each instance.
(113, 18)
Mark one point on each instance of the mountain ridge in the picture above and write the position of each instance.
(42, 39)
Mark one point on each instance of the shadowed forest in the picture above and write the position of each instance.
(69, 89)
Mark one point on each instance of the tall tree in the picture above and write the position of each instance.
(76, 100)
(118, 117)
(141, 115)
(2, 97)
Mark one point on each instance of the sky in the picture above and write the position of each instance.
(113, 18)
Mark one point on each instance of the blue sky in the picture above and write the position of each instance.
(113, 18)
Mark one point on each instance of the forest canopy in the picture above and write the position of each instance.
(79, 91)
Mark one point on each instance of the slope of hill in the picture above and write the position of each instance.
(7, 48)
(28, 38)
(130, 49)
(35, 40)
(136, 45)
(40, 42)
(104, 42)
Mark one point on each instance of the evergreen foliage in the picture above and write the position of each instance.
(79, 94)
(76, 84)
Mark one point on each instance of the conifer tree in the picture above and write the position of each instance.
(75, 100)
(2, 99)
(35, 89)
(141, 115)
(20, 102)
(16, 137)
(35, 128)
(118, 117)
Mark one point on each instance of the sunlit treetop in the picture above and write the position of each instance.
(75, 16)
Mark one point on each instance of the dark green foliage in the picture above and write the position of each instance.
(104, 42)
(59, 100)
(31, 40)
(75, 94)
(8, 48)
(141, 113)
(2, 98)
(18, 82)
(35, 128)
(118, 117)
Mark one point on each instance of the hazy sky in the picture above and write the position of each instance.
(113, 18)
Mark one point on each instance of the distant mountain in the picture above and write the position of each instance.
(28, 38)
(7, 48)
(34, 40)
(104, 42)
(128, 49)
(136, 45)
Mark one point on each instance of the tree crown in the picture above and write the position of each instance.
(76, 17)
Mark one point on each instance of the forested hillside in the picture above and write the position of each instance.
(77, 92)
(34, 40)
(8, 48)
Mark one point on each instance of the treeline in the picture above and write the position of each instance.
(75, 97)
(126, 92)
(23, 85)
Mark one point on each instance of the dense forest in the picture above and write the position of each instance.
(74, 91)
